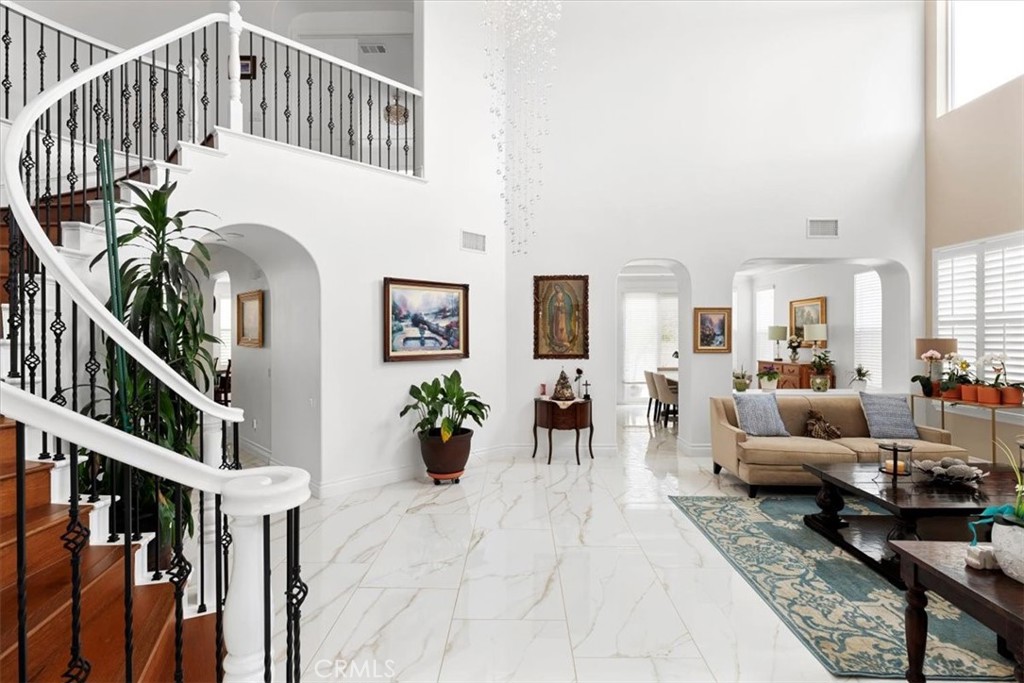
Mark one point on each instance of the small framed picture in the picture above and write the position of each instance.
(248, 67)
(249, 319)
(712, 330)
(425, 320)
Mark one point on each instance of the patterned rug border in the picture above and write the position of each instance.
(784, 616)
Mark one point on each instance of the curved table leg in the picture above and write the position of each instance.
(916, 626)
(577, 445)
(549, 445)
(590, 441)
(534, 439)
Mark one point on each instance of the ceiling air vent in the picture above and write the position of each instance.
(822, 227)
(372, 48)
(474, 241)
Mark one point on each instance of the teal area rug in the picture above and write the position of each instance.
(850, 618)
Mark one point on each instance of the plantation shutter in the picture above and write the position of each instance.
(639, 332)
(668, 329)
(956, 304)
(1003, 326)
(226, 331)
(867, 325)
(764, 316)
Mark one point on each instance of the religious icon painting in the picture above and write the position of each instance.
(560, 316)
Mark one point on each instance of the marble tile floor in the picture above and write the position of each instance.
(530, 572)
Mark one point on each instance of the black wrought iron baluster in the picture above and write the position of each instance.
(414, 140)
(330, 106)
(369, 118)
(252, 85)
(351, 118)
(218, 587)
(295, 595)
(298, 98)
(180, 70)
(156, 433)
(309, 101)
(128, 495)
(165, 97)
(123, 112)
(179, 571)
(216, 77)
(236, 465)
(192, 88)
(30, 283)
(380, 115)
(224, 445)
(387, 115)
(72, 125)
(154, 127)
(201, 609)
(137, 121)
(21, 550)
(287, 95)
(268, 661)
(320, 94)
(263, 83)
(205, 59)
(75, 538)
(16, 298)
(7, 83)
(405, 130)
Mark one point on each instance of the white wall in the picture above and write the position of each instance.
(360, 225)
(711, 141)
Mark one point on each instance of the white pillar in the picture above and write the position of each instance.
(234, 66)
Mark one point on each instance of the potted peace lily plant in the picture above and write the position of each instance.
(442, 405)
(769, 378)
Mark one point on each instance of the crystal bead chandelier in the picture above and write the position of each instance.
(521, 52)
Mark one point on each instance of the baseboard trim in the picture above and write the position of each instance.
(695, 449)
(257, 449)
(339, 487)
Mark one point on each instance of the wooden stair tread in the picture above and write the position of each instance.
(103, 635)
(199, 644)
(36, 519)
(49, 592)
(7, 468)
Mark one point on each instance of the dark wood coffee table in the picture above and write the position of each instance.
(917, 511)
(991, 597)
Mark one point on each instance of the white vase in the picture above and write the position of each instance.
(859, 385)
(769, 384)
(1008, 545)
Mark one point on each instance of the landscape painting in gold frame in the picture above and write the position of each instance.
(807, 312)
(712, 330)
(249, 319)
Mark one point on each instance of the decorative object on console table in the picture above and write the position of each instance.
(778, 333)
(249, 318)
(803, 312)
(824, 369)
(443, 405)
(552, 415)
(859, 382)
(561, 327)
(792, 375)
(768, 375)
(563, 389)
(712, 330)
(425, 320)
(793, 344)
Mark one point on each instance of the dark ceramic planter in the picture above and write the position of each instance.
(446, 460)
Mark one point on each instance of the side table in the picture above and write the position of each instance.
(548, 415)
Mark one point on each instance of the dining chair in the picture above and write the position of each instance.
(652, 390)
(669, 398)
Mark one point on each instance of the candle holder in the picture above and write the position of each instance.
(895, 459)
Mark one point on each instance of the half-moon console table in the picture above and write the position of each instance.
(548, 415)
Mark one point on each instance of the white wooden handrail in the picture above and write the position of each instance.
(57, 266)
(253, 492)
(252, 28)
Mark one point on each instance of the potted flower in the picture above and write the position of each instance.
(956, 376)
(443, 405)
(991, 392)
(793, 344)
(1012, 394)
(1008, 530)
(823, 367)
(930, 381)
(768, 378)
(859, 382)
(741, 379)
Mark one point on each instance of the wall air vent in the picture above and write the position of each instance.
(474, 241)
(822, 227)
(372, 48)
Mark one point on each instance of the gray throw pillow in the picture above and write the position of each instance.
(758, 415)
(888, 416)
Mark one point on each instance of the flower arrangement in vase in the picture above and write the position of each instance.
(956, 376)
(793, 344)
(741, 379)
(768, 378)
(930, 380)
(991, 393)
(823, 367)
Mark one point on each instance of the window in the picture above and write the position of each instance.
(992, 272)
(226, 332)
(764, 317)
(867, 325)
(984, 47)
(650, 333)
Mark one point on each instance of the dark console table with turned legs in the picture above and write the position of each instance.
(548, 415)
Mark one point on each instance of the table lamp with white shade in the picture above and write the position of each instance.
(816, 333)
(778, 333)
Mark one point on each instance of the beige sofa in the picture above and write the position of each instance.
(774, 460)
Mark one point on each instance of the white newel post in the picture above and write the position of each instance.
(212, 430)
(243, 606)
(235, 66)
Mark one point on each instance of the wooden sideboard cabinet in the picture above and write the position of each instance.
(792, 375)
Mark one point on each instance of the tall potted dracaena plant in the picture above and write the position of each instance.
(163, 306)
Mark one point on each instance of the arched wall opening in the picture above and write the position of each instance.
(663, 279)
(778, 282)
(278, 385)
